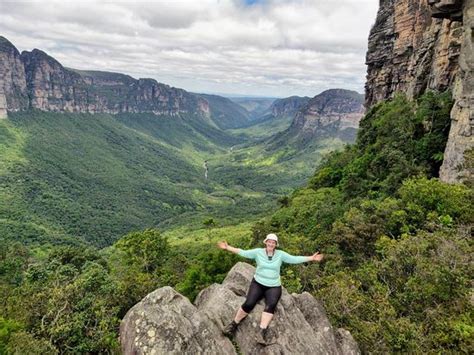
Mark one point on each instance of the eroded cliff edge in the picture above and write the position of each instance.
(417, 45)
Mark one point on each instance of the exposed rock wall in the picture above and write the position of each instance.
(36, 80)
(410, 51)
(12, 77)
(457, 164)
(333, 113)
(288, 106)
(3, 106)
(417, 45)
(165, 322)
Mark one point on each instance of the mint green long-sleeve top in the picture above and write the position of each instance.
(268, 271)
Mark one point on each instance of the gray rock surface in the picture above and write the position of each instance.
(458, 163)
(3, 105)
(410, 51)
(165, 322)
(419, 45)
(12, 78)
(36, 80)
(332, 113)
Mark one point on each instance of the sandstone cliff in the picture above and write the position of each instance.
(458, 163)
(165, 322)
(417, 45)
(288, 106)
(3, 105)
(12, 77)
(36, 80)
(333, 113)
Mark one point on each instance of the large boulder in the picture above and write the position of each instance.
(165, 322)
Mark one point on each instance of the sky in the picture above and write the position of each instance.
(272, 48)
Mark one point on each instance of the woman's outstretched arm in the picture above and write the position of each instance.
(292, 259)
(249, 254)
(223, 245)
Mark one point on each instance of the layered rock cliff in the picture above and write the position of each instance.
(458, 163)
(417, 45)
(12, 78)
(288, 106)
(36, 80)
(3, 105)
(165, 322)
(333, 113)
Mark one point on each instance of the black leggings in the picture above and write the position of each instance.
(257, 292)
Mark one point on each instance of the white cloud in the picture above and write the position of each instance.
(273, 47)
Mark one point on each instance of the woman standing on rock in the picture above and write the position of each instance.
(266, 282)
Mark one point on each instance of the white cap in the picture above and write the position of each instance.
(271, 236)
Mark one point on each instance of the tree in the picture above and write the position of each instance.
(147, 249)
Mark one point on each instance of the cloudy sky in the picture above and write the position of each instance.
(274, 48)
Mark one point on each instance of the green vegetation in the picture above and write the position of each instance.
(81, 178)
(95, 177)
(398, 266)
(266, 128)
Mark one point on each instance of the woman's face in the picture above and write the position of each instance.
(271, 244)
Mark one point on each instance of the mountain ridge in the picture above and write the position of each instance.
(333, 112)
(35, 80)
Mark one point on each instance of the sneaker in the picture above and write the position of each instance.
(230, 328)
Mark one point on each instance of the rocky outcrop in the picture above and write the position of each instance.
(410, 51)
(12, 78)
(457, 163)
(36, 80)
(417, 45)
(333, 113)
(165, 322)
(288, 106)
(3, 105)
(51, 87)
(451, 9)
(330, 110)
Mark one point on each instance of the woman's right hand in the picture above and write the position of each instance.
(222, 244)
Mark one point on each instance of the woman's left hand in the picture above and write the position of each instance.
(317, 257)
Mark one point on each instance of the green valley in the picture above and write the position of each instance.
(92, 178)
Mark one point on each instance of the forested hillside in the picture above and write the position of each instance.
(397, 243)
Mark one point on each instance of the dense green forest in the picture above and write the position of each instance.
(89, 179)
(398, 266)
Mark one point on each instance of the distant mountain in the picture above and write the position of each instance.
(225, 113)
(333, 113)
(36, 80)
(256, 106)
(288, 106)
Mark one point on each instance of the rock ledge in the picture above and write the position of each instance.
(165, 322)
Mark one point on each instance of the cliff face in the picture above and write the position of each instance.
(36, 80)
(417, 45)
(288, 106)
(458, 156)
(335, 106)
(329, 114)
(13, 92)
(410, 51)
